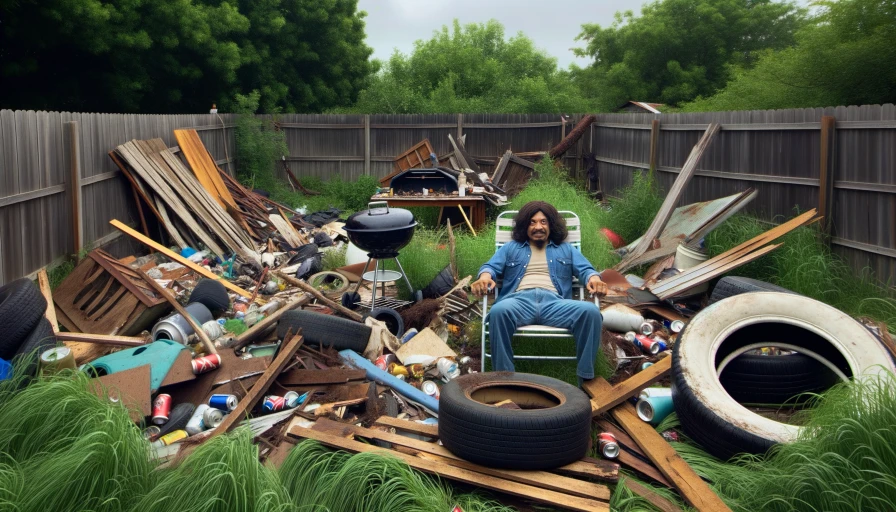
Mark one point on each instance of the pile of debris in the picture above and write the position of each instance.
(194, 344)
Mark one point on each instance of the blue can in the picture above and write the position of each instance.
(224, 403)
(410, 333)
(674, 326)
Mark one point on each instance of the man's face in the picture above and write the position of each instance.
(539, 230)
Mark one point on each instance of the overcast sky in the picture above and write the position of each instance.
(552, 25)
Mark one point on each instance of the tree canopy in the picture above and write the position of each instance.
(677, 50)
(844, 57)
(178, 56)
(471, 68)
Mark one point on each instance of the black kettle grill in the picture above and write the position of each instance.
(381, 231)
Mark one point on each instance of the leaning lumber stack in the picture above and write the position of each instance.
(177, 192)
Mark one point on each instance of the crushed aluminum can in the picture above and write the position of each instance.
(293, 399)
(608, 445)
(161, 408)
(430, 388)
(212, 417)
(274, 403)
(671, 436)
(206, 363)
(643, 342)
(196, 423)
(673, 325)
(646, 328)
(384, 361)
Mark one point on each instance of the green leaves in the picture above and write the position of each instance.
(182, 55)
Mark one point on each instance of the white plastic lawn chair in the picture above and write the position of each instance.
(503, 234)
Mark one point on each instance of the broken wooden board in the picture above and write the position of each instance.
(181, 370)
(203, 166)
(444, 470)
(415, 157)
(43, 282)
(425, 343)
(101, 339)
(130, 387)
(299, 377)
(662, 217)
(648, 494)
(604, 397)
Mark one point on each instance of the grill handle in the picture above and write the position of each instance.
(377, 204)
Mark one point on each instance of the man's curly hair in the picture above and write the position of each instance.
(556, 223)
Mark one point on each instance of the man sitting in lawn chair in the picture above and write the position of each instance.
(537, 268)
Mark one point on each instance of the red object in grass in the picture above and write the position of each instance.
(614, 239)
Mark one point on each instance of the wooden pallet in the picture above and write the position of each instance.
(104, 296)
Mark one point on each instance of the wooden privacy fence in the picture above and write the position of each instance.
(790, 156)
(59, 188)
(841, 160)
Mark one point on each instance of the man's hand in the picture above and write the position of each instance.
(597, 287)
(483, 285)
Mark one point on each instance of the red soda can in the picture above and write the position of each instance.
(274, 403)
(383, 361)
(161, 408)
(643, 342)
(206, 363)
(608, 445)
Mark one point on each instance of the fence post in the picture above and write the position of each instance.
(367, 144)
(826, 174)
(654, 140)
(460, 126)
(75, 188)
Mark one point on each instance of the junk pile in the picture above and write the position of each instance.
(239, 325)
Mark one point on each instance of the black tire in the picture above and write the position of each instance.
(531, 438)
(775, 379)
(708, 414)
(211, 294)
(325, 330)
(21, 308)
(732, 285)
(40, 339)
(350, 300)
(177, 419)
(391, 318)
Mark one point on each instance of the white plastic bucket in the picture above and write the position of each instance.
(687, 257)
(355, 255)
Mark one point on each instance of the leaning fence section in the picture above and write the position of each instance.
(841, 160)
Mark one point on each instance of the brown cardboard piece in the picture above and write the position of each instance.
(181, 370)
(130, 387)
(425, 343)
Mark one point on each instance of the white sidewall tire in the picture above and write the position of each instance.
(697, 348)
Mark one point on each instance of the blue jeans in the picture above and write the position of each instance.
(537, 306)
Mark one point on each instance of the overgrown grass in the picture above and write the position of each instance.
(633, 211)
(807, 266)
(349, 197)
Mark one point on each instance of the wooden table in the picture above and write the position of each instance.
(474, 204)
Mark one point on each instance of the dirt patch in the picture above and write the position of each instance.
(420, 315)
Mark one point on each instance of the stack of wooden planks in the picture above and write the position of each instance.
(183, 206)
(570, 487)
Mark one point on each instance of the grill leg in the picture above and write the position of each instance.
(376, 269)
(358, 287)
(404, 276)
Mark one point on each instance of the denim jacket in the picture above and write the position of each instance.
(564, 261)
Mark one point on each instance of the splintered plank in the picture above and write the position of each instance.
(299, 377)
(553, 498)
(604, 397)
(648, 494)
(101, 339)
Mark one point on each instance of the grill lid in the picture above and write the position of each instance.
(380, 217)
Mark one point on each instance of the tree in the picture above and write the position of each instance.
(179, 55)
(679, 49)
(844, 57)
(471, 68)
